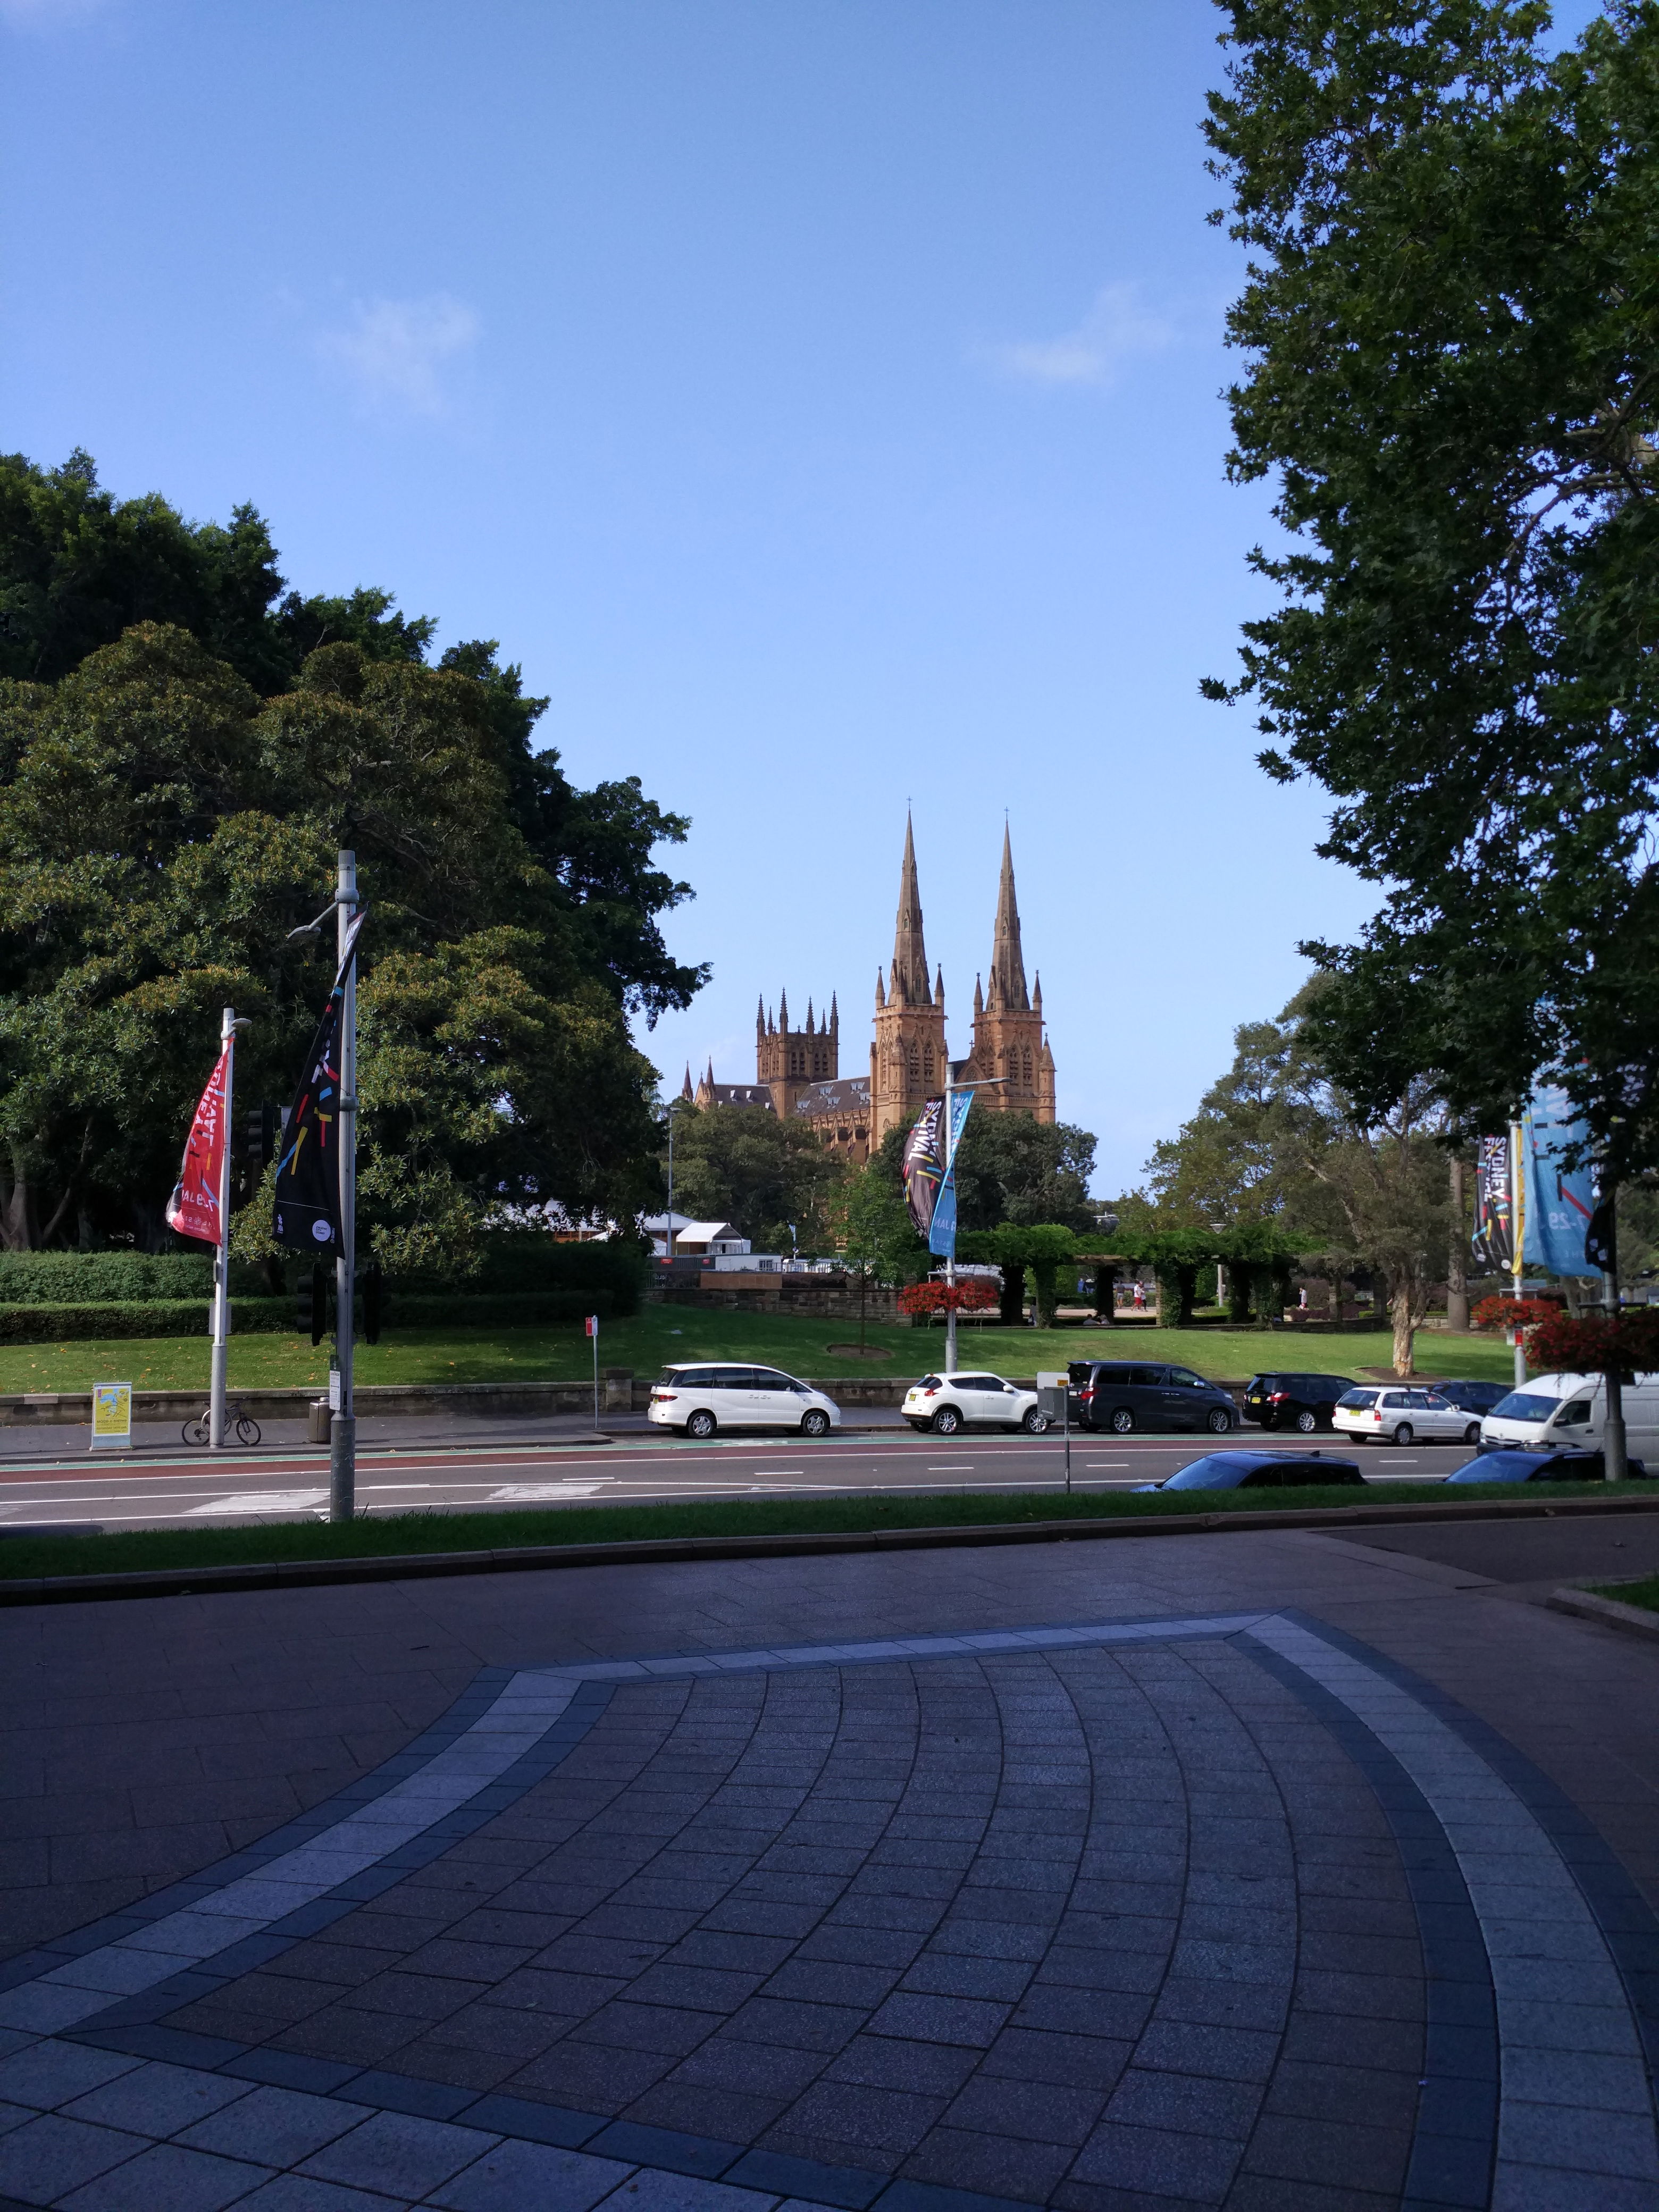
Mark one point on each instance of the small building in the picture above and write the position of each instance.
(694, 1240)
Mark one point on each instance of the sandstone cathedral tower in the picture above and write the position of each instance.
(909, 1057)
(798, 1073)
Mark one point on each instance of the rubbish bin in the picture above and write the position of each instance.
(319, 1422)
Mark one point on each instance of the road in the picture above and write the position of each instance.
(176, 1490)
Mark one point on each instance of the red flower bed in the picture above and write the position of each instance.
(1593, 1343)
(975, 1296)
(1515, 1313)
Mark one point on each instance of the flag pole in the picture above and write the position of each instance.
(950, 1257)
(222, 1250)
(343, 1430)
(1518, 1233)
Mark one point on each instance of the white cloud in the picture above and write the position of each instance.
(396, 351)
(1115, 328)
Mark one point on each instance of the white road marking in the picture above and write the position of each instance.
(263, 1501)
(527, 1493)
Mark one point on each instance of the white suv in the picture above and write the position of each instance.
(701, 1398)
(945, 1403)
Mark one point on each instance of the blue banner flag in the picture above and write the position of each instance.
(942, 1229)
(1560, 1200)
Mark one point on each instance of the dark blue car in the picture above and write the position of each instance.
(1540, 1467)
(1257, 1470)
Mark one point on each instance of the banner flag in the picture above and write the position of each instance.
(1492, 1244)
(924, 1166)
(942, 1230)
(193, 1208)
(1559, 1203)
(307, 1208)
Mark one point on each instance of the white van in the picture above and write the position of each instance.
(699, 1400)
(1568, 1413)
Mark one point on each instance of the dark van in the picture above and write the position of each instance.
(1299, 1401)
(1121, 1395)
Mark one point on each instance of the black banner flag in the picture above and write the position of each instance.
(307, 1211)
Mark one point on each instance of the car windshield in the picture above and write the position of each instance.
(1215, 1471)
(1525, 1406)
(1359, 1398)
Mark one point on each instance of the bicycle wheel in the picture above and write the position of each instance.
(247, 1429)
(195, 1431)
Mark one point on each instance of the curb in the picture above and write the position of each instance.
(659, 1551)
(1634, 1620)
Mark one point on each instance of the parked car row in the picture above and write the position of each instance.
(1122, 1396)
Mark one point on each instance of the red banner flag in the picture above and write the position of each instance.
(193, 1208)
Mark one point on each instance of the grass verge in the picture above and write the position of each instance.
(1644, 1594)
(659, 1333)
(393, 1535)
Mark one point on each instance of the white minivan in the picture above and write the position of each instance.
(699, 1400)
(1567, 1412)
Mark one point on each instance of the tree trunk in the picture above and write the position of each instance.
(1238, 1292)
(14, 1215)
(1106, 1292)
(1013, 1299)
(1457, 1273)
(864, 1283)
(1043, 1285)
(1401, 1306)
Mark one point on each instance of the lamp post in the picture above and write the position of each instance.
(230, 1024)
(343, 1428)
(674, 1105)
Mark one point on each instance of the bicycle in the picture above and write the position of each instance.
(200, 1430)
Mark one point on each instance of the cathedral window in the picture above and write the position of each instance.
(1026, 1069)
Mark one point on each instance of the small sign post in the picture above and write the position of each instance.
(112, 1417)
(1054, 1396)
(591, 1325)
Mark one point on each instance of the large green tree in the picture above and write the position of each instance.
(1452, 320)
(163, 825)
(743, 1165)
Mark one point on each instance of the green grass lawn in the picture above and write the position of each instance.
(395, 1536)
(1644, 1594)
(661, 1333)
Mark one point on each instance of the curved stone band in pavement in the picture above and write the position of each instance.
(1221, 1912)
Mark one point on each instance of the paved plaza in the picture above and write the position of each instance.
(1276, 1872)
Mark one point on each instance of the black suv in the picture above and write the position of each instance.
(1473, 1397)
(1294, 1401)
(1125, 1395)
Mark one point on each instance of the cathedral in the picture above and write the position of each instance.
(797, 1072)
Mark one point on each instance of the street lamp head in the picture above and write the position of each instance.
(306, 929)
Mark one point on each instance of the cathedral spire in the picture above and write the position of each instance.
(685, 1087)
(835, 1017)
(909, 951)
(1008, 992)
(760, 1017)
(783, 1012)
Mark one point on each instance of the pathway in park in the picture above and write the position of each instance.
(1276, 1872)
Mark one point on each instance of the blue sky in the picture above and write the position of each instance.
(821, 401)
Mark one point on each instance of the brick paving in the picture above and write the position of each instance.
(1112, 1926)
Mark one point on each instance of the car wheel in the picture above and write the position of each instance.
(1034, 1421)
(946, 1421)
(1472, 1434)
(1306, 1422)
(1122, 1422)
(1404, 1433)
(816, 1423)
(1219, 1421)
(700, 1425)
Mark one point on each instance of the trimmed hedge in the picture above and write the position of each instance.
(515, 1264)
(75, 1279)
(267, 1316)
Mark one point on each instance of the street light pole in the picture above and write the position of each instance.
(951, 1260)
(343, 1430)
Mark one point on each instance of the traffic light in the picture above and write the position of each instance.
(372, 1296)
(313, 1302)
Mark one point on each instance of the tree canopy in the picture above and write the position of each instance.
(1451, 318)
(171, 797)
(743, 1165)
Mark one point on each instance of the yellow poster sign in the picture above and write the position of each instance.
(111, 1415)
